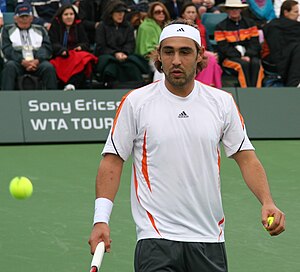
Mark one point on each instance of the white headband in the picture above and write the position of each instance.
(180, 30)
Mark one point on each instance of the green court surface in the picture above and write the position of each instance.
(49, 231)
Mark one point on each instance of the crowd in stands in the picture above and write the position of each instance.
(80, 44)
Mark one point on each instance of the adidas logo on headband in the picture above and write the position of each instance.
(180, 29)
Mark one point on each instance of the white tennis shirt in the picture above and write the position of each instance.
(175, 146)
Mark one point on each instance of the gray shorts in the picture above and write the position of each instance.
(158, 255)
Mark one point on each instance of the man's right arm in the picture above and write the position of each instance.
(107, 185)
(8, 50)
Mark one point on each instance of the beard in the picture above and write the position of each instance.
(181, 80)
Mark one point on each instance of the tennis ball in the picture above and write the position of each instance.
(270, 220)
(20, 187)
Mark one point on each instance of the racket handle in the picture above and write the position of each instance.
(97, 258)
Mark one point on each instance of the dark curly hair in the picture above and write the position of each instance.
(200, 49)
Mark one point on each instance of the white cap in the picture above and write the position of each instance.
(180, 30)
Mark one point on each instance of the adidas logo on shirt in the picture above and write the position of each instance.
(180, 30)
(183, 115)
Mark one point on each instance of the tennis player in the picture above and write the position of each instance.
(173, 129)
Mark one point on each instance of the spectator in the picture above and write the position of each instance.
(277, 7)
(149, 31)
(261, 11)
(174, 7)
(210, 6)
(72, 61)
(212, 74)
(44, 10)
(137, 14)
(26, 49)
(76, 5)
(115, 44)
(238, 45)
(282, 36)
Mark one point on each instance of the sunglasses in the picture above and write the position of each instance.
(231, 8)
(159, 12)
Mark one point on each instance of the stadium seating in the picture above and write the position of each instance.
(8, 18)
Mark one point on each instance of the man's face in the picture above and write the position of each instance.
(234, 13)
(24, 21)
(179, 57)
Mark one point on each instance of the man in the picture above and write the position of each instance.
(26, 49)
(173, 129)
(237, 38)
(44, 10)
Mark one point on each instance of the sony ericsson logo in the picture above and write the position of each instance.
(180, 30)
(183, 115)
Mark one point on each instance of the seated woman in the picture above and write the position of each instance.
(115, 45)
(71, 59)
(282, 36)
(212, 74)
(148, 34)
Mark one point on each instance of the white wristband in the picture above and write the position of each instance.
(103, 208)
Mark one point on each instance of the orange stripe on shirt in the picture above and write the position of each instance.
(136, 184)
(153, 222)
(219, 168)
(144, 162)
(219, 224)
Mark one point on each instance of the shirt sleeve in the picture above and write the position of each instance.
(234, 133)
(123, 132)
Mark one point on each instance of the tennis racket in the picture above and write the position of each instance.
(97, 258)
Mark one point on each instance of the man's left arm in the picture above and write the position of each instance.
(45, 51)
(256, 179)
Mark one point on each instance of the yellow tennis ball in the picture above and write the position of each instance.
(270, 220)
(20, 187)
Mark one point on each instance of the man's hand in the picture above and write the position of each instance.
(100, 232)
(30, 65)
(278, 225)
(120, 56)
(78, 48)
(246, 58)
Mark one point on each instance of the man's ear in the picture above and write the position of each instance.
(158, 55)
(200, 54)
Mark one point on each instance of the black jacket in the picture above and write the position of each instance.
(77, 37)
(111, 38)
(229, 33)
(283, 38)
